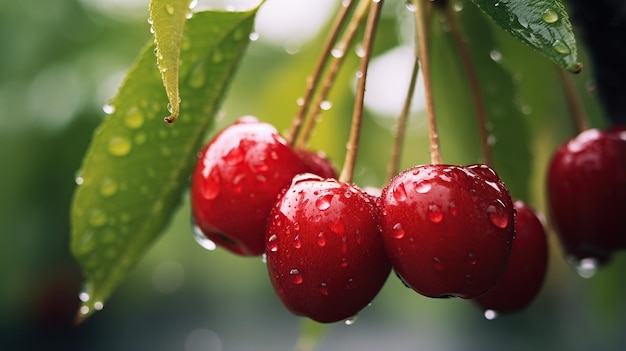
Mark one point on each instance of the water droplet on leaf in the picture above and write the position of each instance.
(119, 146)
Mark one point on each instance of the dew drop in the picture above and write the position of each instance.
(398, 192)
(97, 217)
(108, 187)
(435, 214)
(437, 263)
(84, 310)
(458, 6)
(84, 295)
(326, 105)
(471, 259)
(344, 263)
(323, 202)
(79, 180)
(587, 267)
(495, 55)
(398, 231)
(254, 36)
(297, 243)
(119, 146)
(324, 289)
(193, 4)
(497, 214)
(108, 109)
(321, 239)
(491, 315)
(561, 47)
(296, 277)
(272, 243)
(337, 52)
(202, 240)
(211, 187)
(264, 258)
(351, 320)
(359, 50)
(549, 16)
(422, 187)
(410, 6)
(98, 305)
(169, 8)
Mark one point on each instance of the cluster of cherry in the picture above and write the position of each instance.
(446, 230)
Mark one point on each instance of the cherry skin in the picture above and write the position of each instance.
(325, 256)
(238, 176)
(317, 163)
(525, 272)
(586, 188)
(448, 230)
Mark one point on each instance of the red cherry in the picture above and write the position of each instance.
(236, 181)
(587, 194)
(448, 229)
(525, 272)
(318, 163)
(325, 256)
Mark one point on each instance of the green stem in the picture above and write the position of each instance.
(342, 46)
(396, 151)
(314, 79)
(422, 23)
(579, 118)
(474, 87)
(347, 170)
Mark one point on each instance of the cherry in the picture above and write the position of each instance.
(525, 272)
(238, 176)
(318, 163)
(325, 256)
(448, 230)
(586, 188)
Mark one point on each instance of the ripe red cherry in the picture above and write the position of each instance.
(236, 181)
(448, 230)
(587, 194)
(318, 163)
(325, 256)
(525, 272)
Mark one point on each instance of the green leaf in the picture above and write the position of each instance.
(137, 166)
(542, 24)
(455, 111)
(167, 18)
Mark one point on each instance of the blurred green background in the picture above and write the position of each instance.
(63, 59)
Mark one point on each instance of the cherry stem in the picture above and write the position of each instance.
(396, 151)
(422, 24)
(333, 69)
(579, 119)
(474, 87)
(347, 170)
(314, 79)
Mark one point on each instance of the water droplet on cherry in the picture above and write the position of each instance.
(422, 187)
(324, 289)
(272, 243)
(398, 232)
(497, 214)
(323, 202)
(321, 239)
(399, 192)
(435, 214)
(296, 277)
